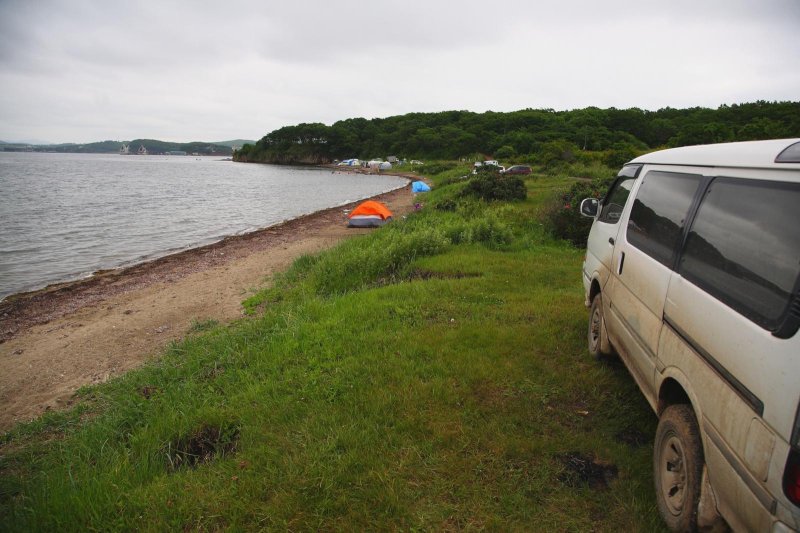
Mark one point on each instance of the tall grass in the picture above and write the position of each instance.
(584, 169)
(384, 256)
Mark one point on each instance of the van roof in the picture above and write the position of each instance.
(750, 154)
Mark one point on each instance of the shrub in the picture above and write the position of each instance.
(445, 204)
(620, 154)
(563, 216)
(505, 152)
(556, 153)
(491, 185)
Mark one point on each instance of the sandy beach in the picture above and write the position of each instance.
(56, 340)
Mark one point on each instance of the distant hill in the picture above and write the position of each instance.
(14, 147)
(527, 134)
(25, 142)
(236, 142)
(153, 146)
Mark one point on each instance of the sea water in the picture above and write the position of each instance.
(64, 216)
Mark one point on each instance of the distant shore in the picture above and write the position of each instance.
(55, 340)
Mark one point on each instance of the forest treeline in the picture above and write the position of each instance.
(522, 134)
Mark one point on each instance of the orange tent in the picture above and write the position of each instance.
(368, 214)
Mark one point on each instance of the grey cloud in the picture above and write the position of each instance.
(343, 30)
(85, 70)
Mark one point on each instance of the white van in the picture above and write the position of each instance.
(692, 275)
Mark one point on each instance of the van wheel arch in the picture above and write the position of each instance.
(593, 290)
(671, 392)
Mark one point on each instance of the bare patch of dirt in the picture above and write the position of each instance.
(148, 392)
(581, 469)
(201, 446)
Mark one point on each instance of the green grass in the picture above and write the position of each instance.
(436, 388)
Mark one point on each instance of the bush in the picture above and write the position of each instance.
(620, 154)
(505, 152)
(491, 185)
(563, 217)
(445, 204)
(556, 153)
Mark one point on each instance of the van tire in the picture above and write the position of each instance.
(597, 335)
(678, 467)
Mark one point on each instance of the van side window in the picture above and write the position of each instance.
(615, 200)
(662, 204)
(744, 247)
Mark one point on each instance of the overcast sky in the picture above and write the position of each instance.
(81, 71)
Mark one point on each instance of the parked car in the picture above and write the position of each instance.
(518, 169)
(494, 165)
(692, 276)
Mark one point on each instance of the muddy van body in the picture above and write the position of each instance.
(692, 277)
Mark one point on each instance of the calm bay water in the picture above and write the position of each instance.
(63, 216)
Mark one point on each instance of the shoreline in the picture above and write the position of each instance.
(55, 340)
(80, 277)
(29, 303)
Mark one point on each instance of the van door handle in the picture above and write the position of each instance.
(611, 241)
(621, 263)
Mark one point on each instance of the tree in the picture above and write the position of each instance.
(555, 153)
(620, 154)
(505, 152)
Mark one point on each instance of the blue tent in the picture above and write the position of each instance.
(419, 186)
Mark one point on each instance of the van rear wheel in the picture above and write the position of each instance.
(597, 329)
(678, 466)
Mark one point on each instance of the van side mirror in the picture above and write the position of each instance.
(589, 207)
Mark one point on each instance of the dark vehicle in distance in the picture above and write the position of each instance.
(518, 169)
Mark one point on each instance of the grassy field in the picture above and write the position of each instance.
(432, 375)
